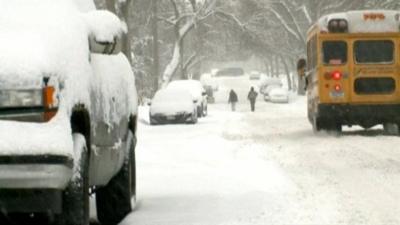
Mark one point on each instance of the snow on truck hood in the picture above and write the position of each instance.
(49, 38)
(44, 38)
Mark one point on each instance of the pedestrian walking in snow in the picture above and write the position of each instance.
(233, 99)
(252, 98)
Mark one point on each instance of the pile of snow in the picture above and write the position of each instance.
(169, 102)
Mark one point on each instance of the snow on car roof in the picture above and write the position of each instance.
(365, 21)
(194, 86)
(172, 95)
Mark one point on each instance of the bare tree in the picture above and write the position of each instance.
(183, 22)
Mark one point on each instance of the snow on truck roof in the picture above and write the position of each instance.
(364, 21)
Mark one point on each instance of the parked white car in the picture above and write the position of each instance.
(197, 90)
(278, 95)
(173, 106)
(255, 75)
(265, 85)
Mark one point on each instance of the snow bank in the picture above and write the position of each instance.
(170, 102)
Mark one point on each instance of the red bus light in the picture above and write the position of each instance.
(336, 75)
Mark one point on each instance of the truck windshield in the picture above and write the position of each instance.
(374, 52)
(334, 52)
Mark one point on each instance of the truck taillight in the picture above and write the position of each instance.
(49, 103)
(336, 75)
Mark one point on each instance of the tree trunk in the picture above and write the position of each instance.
(155, 50)
(126, 39)
(110, 4)
(287, 71)
(182, 66)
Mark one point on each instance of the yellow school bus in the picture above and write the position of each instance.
(353, 70)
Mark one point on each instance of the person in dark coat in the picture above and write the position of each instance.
(252, 96)
(233, 99)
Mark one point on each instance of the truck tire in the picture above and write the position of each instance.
(76, 195)
(113, 201)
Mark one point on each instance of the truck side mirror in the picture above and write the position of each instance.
(105, 32)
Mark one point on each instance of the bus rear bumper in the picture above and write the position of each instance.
(364, 115)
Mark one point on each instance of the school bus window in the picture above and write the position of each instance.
(374, 52)
(334, 52)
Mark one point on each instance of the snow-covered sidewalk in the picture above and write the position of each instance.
(264, 168)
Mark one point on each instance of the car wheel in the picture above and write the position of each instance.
(152, 121)
(194, 117)
(200, 111)
(114, 200)
(205, 111)
(76, 195)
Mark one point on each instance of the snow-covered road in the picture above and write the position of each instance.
(264, 168)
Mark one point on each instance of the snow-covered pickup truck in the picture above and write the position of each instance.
(68, 109)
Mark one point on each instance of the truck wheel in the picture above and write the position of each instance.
(76, 195)
(114, 200)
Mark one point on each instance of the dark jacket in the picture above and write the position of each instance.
(233, 97)
(252, 95)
